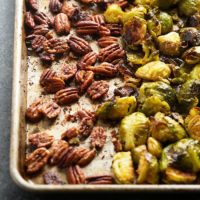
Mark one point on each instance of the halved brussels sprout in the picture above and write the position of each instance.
(188, 95)
(134, 130)
(138, 152)
(154, 27)
(170, 44)
(173, 175)
(134, 31)
(148, 169)
(183, 155)
(165, 4)
(189, 7)
(117, 109)
(195, 73)
(166, 22)
(147, 2)
(192, 55)
(154, 71)
(192, 123)
(154, 147)
(122, 168)
(113, 13)
(165, 129)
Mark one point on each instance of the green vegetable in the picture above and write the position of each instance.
(163, 4)
(154, 147)
(195, 73)
(189, 7)
(166, 22)
(192, 55)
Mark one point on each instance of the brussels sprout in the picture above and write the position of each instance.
(154, 71)
(113, 13)
(170, 44)
(138, 152)
(165, 4)
(117, 109)
(154, 147)
(195, 73)
(134, 130)
(134, 31)
(122, 168)
(192, 123)
(166, 22)
(188, 94)
(183, 155)
(154, 27)
(192, 55)
(173, 175)
(189, 7)
(138, 11)
(148, 169)
(147, 2)
(154, 104)
(165, 129)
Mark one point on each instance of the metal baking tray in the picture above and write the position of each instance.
(23, 93)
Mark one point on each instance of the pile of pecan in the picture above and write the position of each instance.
(50, 37)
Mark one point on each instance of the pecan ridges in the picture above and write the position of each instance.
(98, 137)
(106, 41)
(42, 29)
(99, 19)
(86, 27)
(87, 60)
(46, 74)
(115, 29)
(33, 4)
(101, 179)
(70, 133)
(29, 20)
(55, 6)
(62, 24)
(68, 72)
(37, 43)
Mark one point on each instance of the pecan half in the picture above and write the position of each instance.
(124, 70)
(101, 179)
(115, 29)
(37, 160)
(55, 6)
(56, 46)
(116, 141)
(33, 112)
(68, 72)
(111, 53)
(50, 109)
(70, 133)
(84, 79)
(42, 18)
(87, 60)
(75, 175)
(81, 114)
(46, 57)
(79, 45)
(69, 9)
(33, 4)
(98, 89)
(51, 178)
(99, 19)
(62, 24)
(37, 43)
(41, 139)
(106, 41)
(104, 69)
(42, 29)
(124, 91)
(98, 137)
(86, 27)
(46, 74)
(66, 96)
(104, 31)
(86, 126)
(29, 20)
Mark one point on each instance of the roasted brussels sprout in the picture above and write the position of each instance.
(154, 71)
(176, 176)
(183, 155)
(166, 22)
(189, 7)
(134, 130)
(137, 152)
(154, 27)
(154, 147)
(192, 55)
(147, 2)
(113, 13)
(192, 123)
(195, 73)
(117, 109)
(122, 168)
(148, 169)
(134, 31)
(170, 44)
(163, 4)
(165, 129)
(189, 94)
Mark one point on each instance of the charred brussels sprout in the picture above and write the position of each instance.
(117, 109)
(176, 176)
(170, 44)
(195, 73)
(189, 7)
(163, 4)
(192, 123)
(147, 2)
(148, 169)
(183, 155)
(166, 22)
(189, 94)
(154, 147)
(192, 55)
(165, 129)
(134, 130)
(154, 27)
(154, 71)
(122, 168)
(138, 152)
(113, 13)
